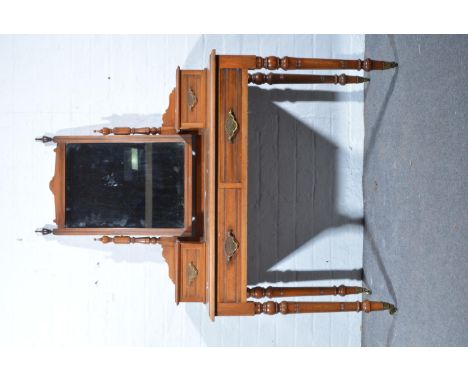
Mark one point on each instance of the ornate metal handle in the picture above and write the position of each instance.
(231, 245)
(191, 99)
(231, 126)
(192, 273)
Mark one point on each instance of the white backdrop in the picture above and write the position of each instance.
(73, 291)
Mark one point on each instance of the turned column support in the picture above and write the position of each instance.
(129, 240)
(288, 307)
(129, 130)
(259, 78)
(294, 63)
(272, 292)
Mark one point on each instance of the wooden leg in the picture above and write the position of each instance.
(274, 78)
(271, 292)
(287, 307)
(292, 63)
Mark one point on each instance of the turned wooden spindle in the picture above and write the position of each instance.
(288, 307)
(129, 130)
(259, 78)
(128, 240)
(272, 292)
(291, 63)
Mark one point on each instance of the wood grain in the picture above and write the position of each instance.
(191, 254)
(210, 184)
(195, 117)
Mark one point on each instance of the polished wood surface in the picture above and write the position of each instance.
(295, 63)
(209, 137)
(259, 78)
(191, 270)
(272, 292)
(209, 263)
(288, 307)
(129, 130)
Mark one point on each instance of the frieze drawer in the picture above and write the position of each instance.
(230, 129)
(230, 259)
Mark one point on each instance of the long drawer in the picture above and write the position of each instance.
(232, 186)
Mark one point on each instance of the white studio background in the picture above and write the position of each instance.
(74, 291)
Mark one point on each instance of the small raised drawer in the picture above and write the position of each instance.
(192, 99)
(190, 286)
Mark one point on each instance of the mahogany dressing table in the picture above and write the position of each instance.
(184, 185)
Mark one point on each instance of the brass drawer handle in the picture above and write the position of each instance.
(231, 126)
(192, 273)
(231, 245)
(191, 99)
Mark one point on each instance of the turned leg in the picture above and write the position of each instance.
(136, 240)
(271, 292)
(291, 63)
(287, 307)
(274, 78)
(129, 130)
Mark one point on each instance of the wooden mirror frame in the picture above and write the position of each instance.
(57, 185)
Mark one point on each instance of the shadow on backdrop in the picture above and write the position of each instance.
(292, 178)
(292, 184)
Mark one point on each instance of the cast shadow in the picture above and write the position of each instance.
(292, 181)
(292, 178)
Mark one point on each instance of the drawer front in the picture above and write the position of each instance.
(192, 272)
(230, 126)
(192, 98)
(230, 246)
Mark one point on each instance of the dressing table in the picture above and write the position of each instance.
(194, 167)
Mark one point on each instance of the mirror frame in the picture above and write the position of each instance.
(57, 185)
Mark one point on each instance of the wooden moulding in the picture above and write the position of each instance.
(237, 62)
(210, 185)
(57, 185)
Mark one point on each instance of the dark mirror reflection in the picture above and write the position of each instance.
(124, 185)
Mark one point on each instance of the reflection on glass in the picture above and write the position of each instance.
(124, 185)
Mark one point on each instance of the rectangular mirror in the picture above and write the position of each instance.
(123, 185)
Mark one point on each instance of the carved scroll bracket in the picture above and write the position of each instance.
(167, 244)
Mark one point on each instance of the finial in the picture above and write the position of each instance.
(44, 139)
(44, 231)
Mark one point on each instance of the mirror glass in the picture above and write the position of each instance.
(124, 185)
